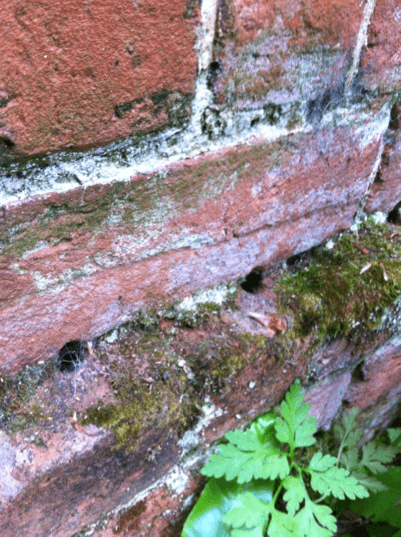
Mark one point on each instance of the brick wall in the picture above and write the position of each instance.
(151, 150)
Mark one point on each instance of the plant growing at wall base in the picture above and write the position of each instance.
(371, 466)
(260, 486)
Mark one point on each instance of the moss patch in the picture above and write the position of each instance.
(166, 364)
(332, 291)
(17, 409)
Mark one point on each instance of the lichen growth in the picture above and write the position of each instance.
(332, 291)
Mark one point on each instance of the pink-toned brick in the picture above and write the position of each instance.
(385, 192)
(78, 263)
(283, 51)
(381, 58)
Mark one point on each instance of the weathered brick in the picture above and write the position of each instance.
(83, 480)
(76, 74)
(381, 376)
(284, 51)
(381, 58)
(385, 192)
(79, 263)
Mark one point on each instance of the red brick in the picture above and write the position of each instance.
(321, 20)
(90, 256)
(381, 59)
(326, 400)
(76, 74)
(80, 478)
(385, 191)
(72, 479)
(280, 51)
(161, 513)
(382, 374)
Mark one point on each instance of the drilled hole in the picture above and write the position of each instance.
(395, 121)
(253, 281)
(71, 356)
(213, 73)
(358, 372)
(6, 143)
(394, 216)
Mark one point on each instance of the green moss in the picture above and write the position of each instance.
(142, 407)
(163, 375)
(330, 296)
(17, 413)
(215, 359)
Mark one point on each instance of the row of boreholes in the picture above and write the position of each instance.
(71, 355)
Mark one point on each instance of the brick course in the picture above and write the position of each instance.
(78, 74)
(149, 151)
(202, 222)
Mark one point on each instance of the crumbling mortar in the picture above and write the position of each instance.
(212, 300)
(212, 127)
(361, 41)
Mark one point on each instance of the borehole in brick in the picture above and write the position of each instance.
(395, 120)
(358, 373)
(394, 216)
(6, 143)
(253, 281)
(70, 357)
(213, 73)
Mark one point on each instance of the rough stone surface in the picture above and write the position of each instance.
(86, 485)
(381, 58)
(76, 262)
(77, 74)
(259, 130)
(160, 514)
(381, 375)
(279, 52)
(326, 400)
(385, 191)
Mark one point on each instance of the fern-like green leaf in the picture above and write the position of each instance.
(327, 479)
(374, 456)
(255, 531)
(282, 524)
(244, 440)
(295, 493)
(315, 520)
(370, 482)
(297, 428)
(250, 512)
(319, 462)
(394, 435)
(347, 432)
(350, 459)
(249, 455)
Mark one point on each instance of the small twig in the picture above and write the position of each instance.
(364, 250)
(80, 429)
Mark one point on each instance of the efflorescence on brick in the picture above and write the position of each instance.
(144, 175)
(157, 372)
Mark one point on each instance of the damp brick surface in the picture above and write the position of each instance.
(185, 191)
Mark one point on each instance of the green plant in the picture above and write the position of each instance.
(263, 483)
(382, 508)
